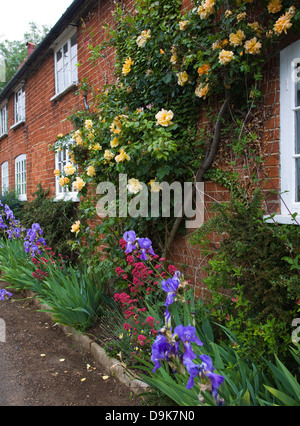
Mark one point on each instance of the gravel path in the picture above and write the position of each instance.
(41, 366)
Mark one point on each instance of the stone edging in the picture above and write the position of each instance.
(111, 365)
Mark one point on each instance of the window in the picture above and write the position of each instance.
(290, 130)
(20, 177)
(65, 59)
(20, 105)
(3, 120)
(4, 178)
(62, 192)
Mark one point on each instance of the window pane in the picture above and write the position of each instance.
(297, 148)
(298, 180)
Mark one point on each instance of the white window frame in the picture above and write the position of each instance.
(63, 193)
(69, 68)
(20, 104)
(21, 177)
(4, 177)
(3, 120)
(288, 156)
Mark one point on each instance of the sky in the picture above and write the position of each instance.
(15, 15)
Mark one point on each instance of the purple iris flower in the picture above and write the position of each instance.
(9, 212)
(188, 335)
(36, 227)
(145, 244)
(207, 369)
(194, 370)
(42, 241)
(4, 293)
(27, 246)
(130, 238)
(160, 351)
(170, 286)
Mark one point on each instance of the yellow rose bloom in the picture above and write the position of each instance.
(134, 186)
(88, 124)
(108, 155)
(154, 186)
(56, 172)
(274, 6)
(60, 136)
(206, 8)
(164, 118)
(143, 38)
(115, 142)
(202, 91)
(64, 181)
(225, 56)
(283, 24)
(90, 171)
(241, 16)
(252, 47)
(183, 25)
(122, 156)
(204, 69)
(236, 39)
(116, 126)
(78, 184)
(76, 227)
(96, 147)
(127, 66)
(69, 169)
(182, 78)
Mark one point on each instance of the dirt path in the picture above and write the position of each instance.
(41, 366)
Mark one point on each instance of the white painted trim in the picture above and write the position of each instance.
(287, 131)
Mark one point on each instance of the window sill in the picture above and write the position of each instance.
(67, 197)
(3, 136)
(14, 126)
(22, 197)
(64, 92)
(282, 219)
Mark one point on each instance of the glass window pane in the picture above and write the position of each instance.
(298, 180)
(297, 148)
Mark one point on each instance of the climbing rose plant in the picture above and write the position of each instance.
(170, 67)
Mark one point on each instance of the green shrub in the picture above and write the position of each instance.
(55, 218)
(253, 288)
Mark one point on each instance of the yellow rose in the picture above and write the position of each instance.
(225, 56)
(127, 66)
(143, 38)
(236, 39)
(164, 118)
(56, 172)
(108, 155)
(182, 78)
(154, 186)
(283, 24)
(78, 184)
(69, 169)
(76, 227)
(202, 91)
(122, 156)
(274, 6)
(88, 124)
(183, 25)
(64, 181)
(90, 171)
(134, 186)
(252, 47)
(116, 126)
(114, 143)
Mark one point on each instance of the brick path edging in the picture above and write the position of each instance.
(111, 365)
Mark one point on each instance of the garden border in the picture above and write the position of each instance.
(112, 365)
